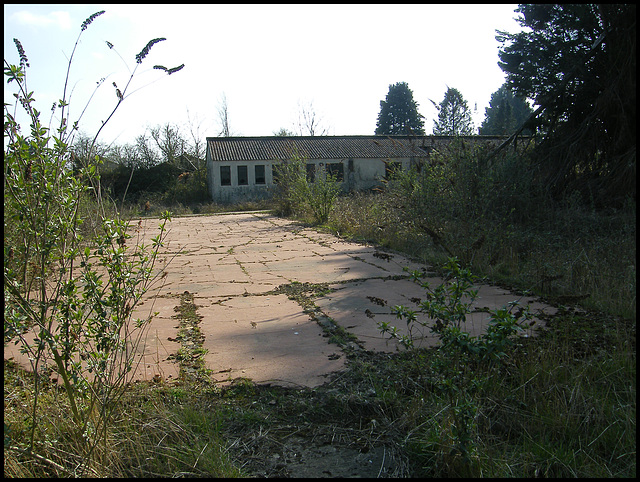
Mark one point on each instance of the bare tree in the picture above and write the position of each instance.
(309, 122)
(127, 155)
(223, 117)
(147, 155)
(84, 150)
(169, 141)
(197, 146)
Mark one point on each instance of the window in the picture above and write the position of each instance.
(225, 175)
(243, 176)
(311, 172)
(260, 177)
(335, 169)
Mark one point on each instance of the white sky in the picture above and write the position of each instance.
(266, 60)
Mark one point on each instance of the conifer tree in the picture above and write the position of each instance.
(505, 114)
(577, 62)
(454, 116)
(399, 113)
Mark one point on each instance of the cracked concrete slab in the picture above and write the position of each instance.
(233, 265)
(268, 339)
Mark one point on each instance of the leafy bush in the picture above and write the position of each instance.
(167, 181)
(321, 196)
(290, 189)
(458, 194)
(69, 294)
(445, 311)
(295, 194)
(189, 188)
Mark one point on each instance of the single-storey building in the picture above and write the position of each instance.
(241, 168)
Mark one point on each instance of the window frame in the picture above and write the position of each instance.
(336, 168)
(262, 178)
(311, 172)
(243, 177)
(225, 175)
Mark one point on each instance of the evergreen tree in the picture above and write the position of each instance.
(283, 132)
(505, 114)
(399, 113)
(577, 62)
(454, 116)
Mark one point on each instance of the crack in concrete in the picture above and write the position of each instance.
(190, 356)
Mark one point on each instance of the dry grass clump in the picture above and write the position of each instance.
(158, 433)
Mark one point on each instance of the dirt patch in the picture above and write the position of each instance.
(324, 432)
(325, 460)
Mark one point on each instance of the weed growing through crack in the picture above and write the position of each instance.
(303, 294)
(191, 353)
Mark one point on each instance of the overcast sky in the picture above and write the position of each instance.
(267, 60)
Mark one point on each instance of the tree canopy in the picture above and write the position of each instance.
(505, 114)
(578, 64)
(399, 113)
(454, 116)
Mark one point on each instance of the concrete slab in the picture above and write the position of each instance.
(155, 350)
(360, 306)
(268, 339)
(232, 264)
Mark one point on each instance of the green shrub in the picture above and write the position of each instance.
(444, 312)
(74, 289)
(295, 194)
(291, 185)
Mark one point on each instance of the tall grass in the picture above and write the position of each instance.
(157, 432)
(564, 405)
(497, 220)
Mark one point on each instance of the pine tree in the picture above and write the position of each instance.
(577, 62)
(454, 116)
(505, 113)
(399, 113)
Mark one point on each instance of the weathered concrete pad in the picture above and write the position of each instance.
(266, 338)
(232, 264)
(155, 350)
(361, 306)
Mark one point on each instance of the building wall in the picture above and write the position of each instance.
(358, 173)
(235, 190)
(228, 184)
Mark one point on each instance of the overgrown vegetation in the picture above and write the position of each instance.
(497, 218)
(300, 192)
(69, 291)
(162, 167)
(560, 404)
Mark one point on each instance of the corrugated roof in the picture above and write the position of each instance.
(316, 147)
